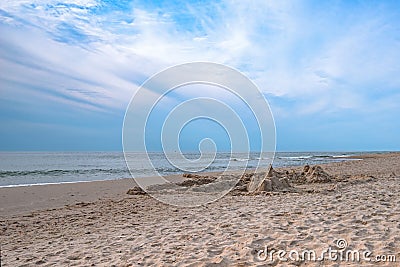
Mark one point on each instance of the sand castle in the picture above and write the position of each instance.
(272, 181)
(309, 174)
(253, 183)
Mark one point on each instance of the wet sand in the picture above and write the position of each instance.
(98, 224)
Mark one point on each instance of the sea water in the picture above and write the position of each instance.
(31, 168)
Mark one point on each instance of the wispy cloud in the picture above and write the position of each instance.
(308, 57)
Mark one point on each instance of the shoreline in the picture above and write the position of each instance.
(337, 158)
(24, 199)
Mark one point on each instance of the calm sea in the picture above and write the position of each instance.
(30, 168)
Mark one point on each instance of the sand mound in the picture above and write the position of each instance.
(272, 181)
(136, 191)
(316, 174)
(274, 184)
(309, 174)
(192, 175)
(197, 181)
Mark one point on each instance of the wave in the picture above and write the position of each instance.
(314, 157)
(342, 156)
(21, 185)
(240, 159)
(171, 170)
(297, 157)
(55, 183)
(59, 172)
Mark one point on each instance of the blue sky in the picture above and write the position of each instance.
(329, 69)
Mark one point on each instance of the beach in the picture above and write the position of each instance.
(98, 224)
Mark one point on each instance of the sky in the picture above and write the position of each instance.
(330, 70)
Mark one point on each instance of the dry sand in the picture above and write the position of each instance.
(102, 226)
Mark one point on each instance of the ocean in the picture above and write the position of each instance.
(36, 168)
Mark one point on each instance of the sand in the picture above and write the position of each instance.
(102, 226)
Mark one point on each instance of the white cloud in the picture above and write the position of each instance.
(288, 53)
